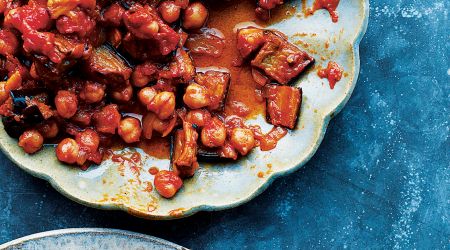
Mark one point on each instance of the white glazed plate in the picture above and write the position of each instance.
(222, 186)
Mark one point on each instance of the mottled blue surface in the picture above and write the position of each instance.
(379, 180)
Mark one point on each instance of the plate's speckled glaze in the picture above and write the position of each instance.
(220, 186)
(89, 238)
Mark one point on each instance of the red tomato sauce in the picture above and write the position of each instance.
(333, 72)
(329, 5)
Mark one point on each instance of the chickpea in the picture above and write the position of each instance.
(163, 105)
(92, 92)
(227, 151)
(31, 141)
(195, 16)
(130, 129)
(144, 74)
(214, 133)
(146, 95)
(66, 103)
(198, 117)
(67, 151)
(88, 139)
(139, 79)
(196, 96)
(167, 183)
(123, 95)
(49, 129)
(242, 139)
(169, 11)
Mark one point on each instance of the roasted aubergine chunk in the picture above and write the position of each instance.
(283, 105)
(181, 69)
(107, 65)
(217, 83)
(281, 60)
(184, 155)
(276, 57)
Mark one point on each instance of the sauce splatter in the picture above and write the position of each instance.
(136, 157)
(176, 212)
(148, 186)
(304, 9)
(333, 72)
(152, 207)
(153, 170)
(268, 141)
(260, 174)
(329, 5)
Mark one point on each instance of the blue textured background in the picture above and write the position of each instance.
(379, 180)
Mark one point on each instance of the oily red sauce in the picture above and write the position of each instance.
(224, 16)
(333, 72)
(269, 140)
(281, 13)
(148, 186)
(136, 157)
(244, 97)
(329, 5)
(126, 157)
(157, 147)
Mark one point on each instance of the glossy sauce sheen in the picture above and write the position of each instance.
(244, 97)
(224, 16)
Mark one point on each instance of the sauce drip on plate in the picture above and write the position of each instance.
(333, 72)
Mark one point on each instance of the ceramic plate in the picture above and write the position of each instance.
(90, 238)
(220, 186)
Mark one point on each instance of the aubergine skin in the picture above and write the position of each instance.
(30, 115)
